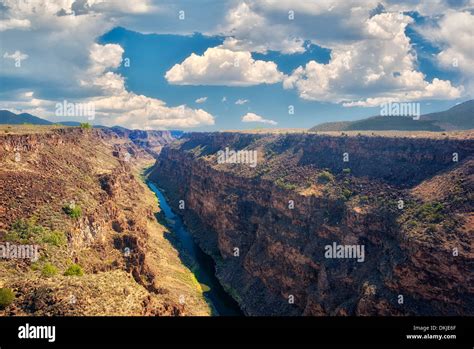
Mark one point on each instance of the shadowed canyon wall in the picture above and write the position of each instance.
(407, 201)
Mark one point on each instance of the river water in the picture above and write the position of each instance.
(203, 265)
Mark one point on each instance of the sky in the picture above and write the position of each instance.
(206, 65)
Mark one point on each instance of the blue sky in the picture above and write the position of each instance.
(152, 55)
(328, 61)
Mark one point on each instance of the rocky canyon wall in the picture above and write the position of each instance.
(406, 201)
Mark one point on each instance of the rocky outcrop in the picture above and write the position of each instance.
(152, 141)
(268, 227)
(78, 195)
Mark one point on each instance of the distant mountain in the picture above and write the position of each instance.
(459, 117)
(400, 123)
(7, 117)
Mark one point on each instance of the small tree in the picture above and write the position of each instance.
(7, 296)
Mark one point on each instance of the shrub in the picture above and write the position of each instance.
(346, 193)
(285, 185)
(7, 296)
(85, 125)
(49, 270)
(74, 270)
(73, 211)
(56, 238)
(430, 212)
(325, 177)
(23, 230)
(346, 170)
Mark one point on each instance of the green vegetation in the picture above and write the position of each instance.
(346, 171)
(325, 177)
(430, 212)
(285, 185)
(346, 193)
(74, 270)
(25, 230)
(86, 126)
(49, 270)
(55, 238)
(7, 296)
(73, 211)
(364, 199)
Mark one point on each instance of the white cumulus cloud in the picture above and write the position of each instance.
(454, 34)
(382, 67)
(249, 30)
(220, 66)
(251, 117)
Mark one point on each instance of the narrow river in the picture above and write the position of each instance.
(203, 265)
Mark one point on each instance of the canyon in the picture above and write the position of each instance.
(396, 209)
(80, 196)
(407, 198)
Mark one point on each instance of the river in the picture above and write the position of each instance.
(203, 265)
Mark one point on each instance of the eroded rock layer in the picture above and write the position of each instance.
(78, 195)
(408, 201)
